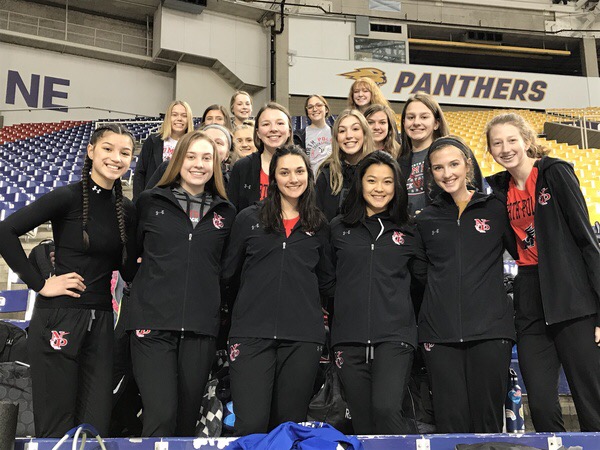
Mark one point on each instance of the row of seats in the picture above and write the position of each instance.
(470, 125)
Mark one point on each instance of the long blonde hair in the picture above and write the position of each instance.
(165, 128)
(535, 150)
(377, 97)
(334, 161)
(172, 174)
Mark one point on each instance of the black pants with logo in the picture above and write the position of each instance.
(544, 348)
(71, 353)
(171, 371)
(271, 381)
(375, 384)
(468, 383)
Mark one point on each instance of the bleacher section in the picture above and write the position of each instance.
(470, 126)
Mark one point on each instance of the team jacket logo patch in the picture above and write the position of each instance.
(234, 352)
(142, 333)
(428, 346)
(339, 361)
(482, 225)
(398, 238)
(544, 197)
(58, 339)
(218, 221)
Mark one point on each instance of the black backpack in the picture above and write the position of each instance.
(13, 343)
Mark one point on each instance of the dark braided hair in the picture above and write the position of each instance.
(118, 188)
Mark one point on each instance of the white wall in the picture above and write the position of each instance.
(241, 45)
(319, 38)
(91, 83)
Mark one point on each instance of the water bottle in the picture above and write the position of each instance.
(513, 407)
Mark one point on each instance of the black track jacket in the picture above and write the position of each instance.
(465, 299)
(372, 295)
(177, 286)
(279, 280)
(568, 251)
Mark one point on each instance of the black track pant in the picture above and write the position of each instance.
(171, 371)
(71, 353)
(468, 383)
(375, 385)
(543, 348)
(271, 382)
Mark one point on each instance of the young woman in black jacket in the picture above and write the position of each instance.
(466, 319)
(160, 146)
(374, 331)
(421, 123)
(278, 254)
(557, 289)
(351, 141)
(249, 179)
(71, 333)
(175, 297)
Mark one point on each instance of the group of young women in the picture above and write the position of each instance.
(346, 219)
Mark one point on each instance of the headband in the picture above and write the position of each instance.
(225, 131)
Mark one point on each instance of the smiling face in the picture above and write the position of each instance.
(244, 140)
(378, 122)
(315, 109)
(507, 146)
(111, 157)
(242, 107)
(179, 120)
(273, 129)
(419, 125)
(221, 140)
(214, 116)
(361, 96)
(291, 176)
(378, 188)
(350, 138)
(197, 167)
(450, 170)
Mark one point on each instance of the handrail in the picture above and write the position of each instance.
(9, 20)
(61, 108)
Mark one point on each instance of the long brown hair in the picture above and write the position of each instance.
(390, 144)
(334, 161)
(438, 115)
(214, 185)
(272, 105)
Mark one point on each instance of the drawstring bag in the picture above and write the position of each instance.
(329, 405)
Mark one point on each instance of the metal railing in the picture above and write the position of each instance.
(70, 32)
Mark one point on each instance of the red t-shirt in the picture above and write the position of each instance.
(521, 211)
(264, 184)
(289, 224)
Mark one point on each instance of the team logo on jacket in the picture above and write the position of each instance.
(428, 346)
(339, 361)
(234, 352)
(58, 340)
(142, 333)
(217, 221)
(544, 197)
(398, 238)
(482, 225)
